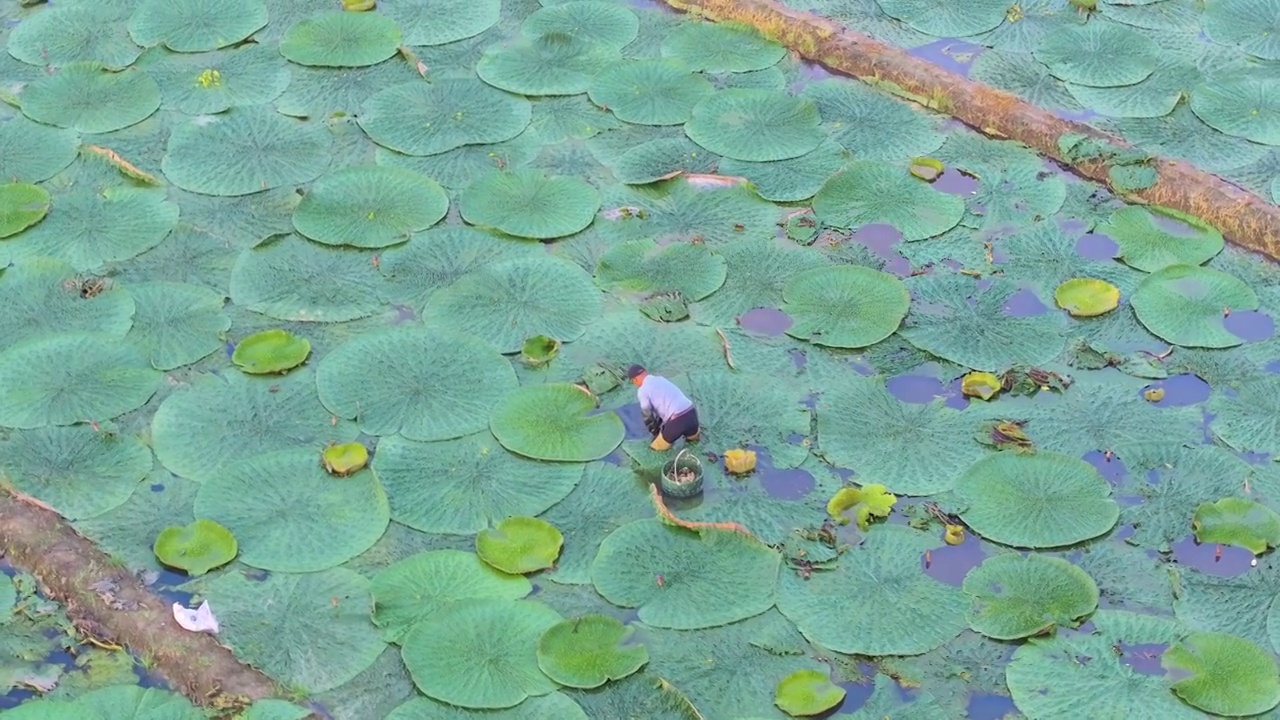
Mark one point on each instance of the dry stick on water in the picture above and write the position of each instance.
(724, 345)
(1244, 218)
(670, 517)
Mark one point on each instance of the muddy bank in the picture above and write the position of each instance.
(109, 605)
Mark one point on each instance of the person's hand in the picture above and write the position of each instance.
(653, 423)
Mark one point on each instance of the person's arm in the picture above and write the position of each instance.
(646, 404)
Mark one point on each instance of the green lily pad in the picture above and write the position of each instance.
(71, 378)
(177, 324)
(886, 603)
(588, 651)
(649, 92)
(556, 706)
(76, 32)
(369, 206)
(21, 206)
(1087, 297)
(418, 118)
(477, 483)
(1185, 305)
(791, 180)
(872, 125)
(1247, 24)
(539, 350)
(1237, 521)
(192, 27)
(292, 278)
(848, 306)
(520, 545)
(554, 422)
(529, 203)
(1036, 500)
(341, 39)
(79, 472)
(425, 383)
(481, 653)
(433, 260)
(196, 548)
(439, 22)
(604, 22)
(31, 152)
(1098, 54)
(91, 228)
(344, 459)
(1017, 596)
(718, 48)
(245, 150)
(505, 303)
(807, 692)
(556, 63)
(270, 351)
(412, 589)
(869, 192)
(684, 580)
(945, 19)
(1245, 107)
(291, 516)
(1228, 675)
(755, 125)
(1146, 245)
(90, 99)
(642, 266)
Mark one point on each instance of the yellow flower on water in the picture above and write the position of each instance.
(954, 534)
(209, 78)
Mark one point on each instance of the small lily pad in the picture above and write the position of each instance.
(807, 692)
(1228, 675)
(344, 459)
(588, 651)
(520, 545)
(539, 350)
(21, 206)
(983, 385)
(926, 168)
(1237, 521)
(1087, 297)
(270, 351)
(196, 548)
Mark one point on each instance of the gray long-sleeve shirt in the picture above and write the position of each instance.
(660, 395)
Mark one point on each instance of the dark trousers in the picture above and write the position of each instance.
(683, 425)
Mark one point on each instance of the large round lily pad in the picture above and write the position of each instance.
(588, 651)
(1152, 238)
(708, 579)
(1036, 500)
(555, 63)
(1228, 675)
(414, 588)
(1185, 305)
(847, 306)
(439, 22)
(1250, 25)
(192, 26)
(555, 422)
(420, 118)
(719, 48)
(291, 278)
(886, 603)
(369, 206)
(870, 192)
(218, 420)
(71, 378)
(520, 545)
(1016, 596)
(76, 32)
(530, 203)
(642, 266)
(1245, 107)
(41, 296)
(205, 83)
(1098, 54)
(649, 92)
(425, 383)
(1237, 521)
(341, 39)
(89, 99)
(309, 630)
(21, 206)
(437, 258)
(480, 653)
(88, 228)
(475, 483)
(246, 150)
(755, 125)
(508, 302)
(177, 324)
(79, 472)
(197, 547)
(289, 515)
(32, 152)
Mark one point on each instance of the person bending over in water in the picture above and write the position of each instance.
(668, 412)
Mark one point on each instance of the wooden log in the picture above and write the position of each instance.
(1243, 218)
